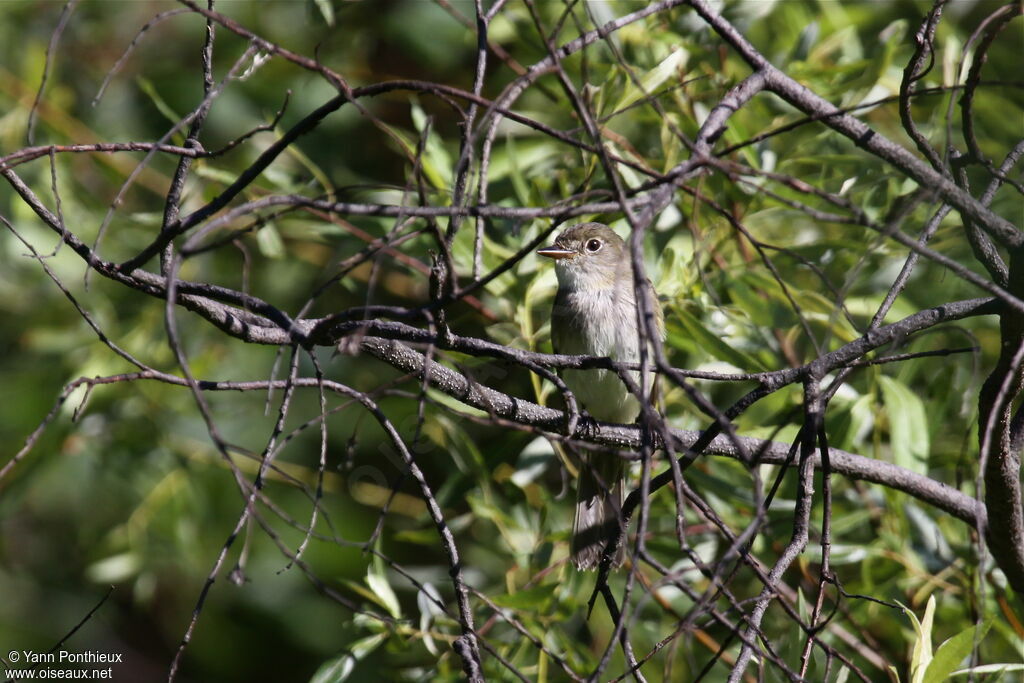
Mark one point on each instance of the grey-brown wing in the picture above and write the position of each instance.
(566, 335)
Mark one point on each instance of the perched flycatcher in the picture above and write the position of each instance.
(595, 314)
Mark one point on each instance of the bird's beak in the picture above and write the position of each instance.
(556, 253)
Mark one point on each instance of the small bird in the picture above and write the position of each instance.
(595, 314)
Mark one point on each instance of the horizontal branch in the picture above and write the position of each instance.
(397, 211)
(499, 404)
(31, 153)
(328, 331)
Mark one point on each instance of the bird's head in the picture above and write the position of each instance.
(588, 256)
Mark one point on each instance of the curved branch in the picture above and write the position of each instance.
(856, 130)
(524, 412)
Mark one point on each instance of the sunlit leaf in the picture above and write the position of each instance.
(531, 598)
(378, 583)
(908, 426)
(326, 10)
(340, 668)
(953, 651)
(650, 81)
(690, 326)
(270, 242)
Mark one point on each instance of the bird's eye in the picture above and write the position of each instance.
(594, 245)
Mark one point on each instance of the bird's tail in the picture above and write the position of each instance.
(598, 510)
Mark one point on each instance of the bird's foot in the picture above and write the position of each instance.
(587, 428)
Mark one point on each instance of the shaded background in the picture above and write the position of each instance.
(134, 496)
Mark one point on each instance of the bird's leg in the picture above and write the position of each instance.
(587, 428)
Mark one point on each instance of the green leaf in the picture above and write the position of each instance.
(709, 342)
(147, 86)
(327, 10)
(988, 669)
(953, 651)
(334, 670)
(531, 598)
(950, 49)
(527, 157)
(516, 173)
(533, 461)
(437, 164)
(217, 174)
(447, 401)
(675, 274)
(418, 536)
(921, 654)
(377, 590)
(377, 580)
(908, 426)
(801, 605)
(269, 240)
(486, 510)
(285, 182)
(339, 668)
(427, 599)
(114, 569)
(382, 588)
(764, 313)
(650, 81)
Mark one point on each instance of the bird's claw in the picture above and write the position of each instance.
(587, 428)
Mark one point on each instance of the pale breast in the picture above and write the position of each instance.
(599, 323)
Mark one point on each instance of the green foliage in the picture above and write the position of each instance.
(927, 666)
(133, 493)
